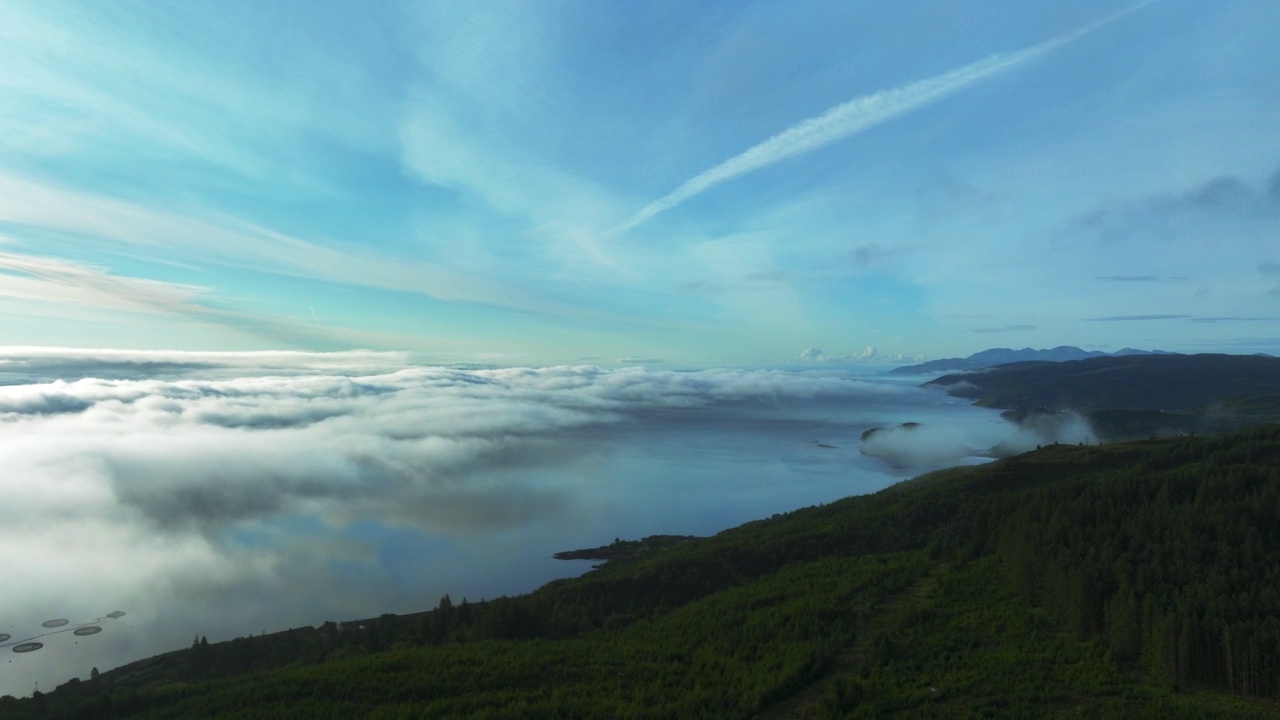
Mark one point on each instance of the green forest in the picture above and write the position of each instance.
(1124, 580)
(1133, 396)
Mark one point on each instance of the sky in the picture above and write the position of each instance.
(702, 184)
(318, 310)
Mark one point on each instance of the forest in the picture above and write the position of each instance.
(1133, 396)
(1124, 580)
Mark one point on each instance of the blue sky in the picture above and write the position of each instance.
(701, 183)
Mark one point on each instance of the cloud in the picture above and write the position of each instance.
(193, 454)
(1046, 428)
(870, 255)
(107, 81)
(853, 117)
(1002, 329)
(1126, 318)
(1231, 319)
(919, 445)
(631, 360)
(1204, 210)
(199, 460)
(1189, 318)
(922, 445)
(815, 355)
(104, 220)
(477, 119)
(768, 276)
(27, 365)
(32, 277)
(1265, 345)
(1130, 278)
(219, 492)
(46, 280)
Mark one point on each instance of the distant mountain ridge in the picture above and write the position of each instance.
(1004, 356)
(1133, 396)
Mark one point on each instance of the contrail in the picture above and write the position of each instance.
(857, 115)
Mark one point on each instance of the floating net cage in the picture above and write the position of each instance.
(54, 627)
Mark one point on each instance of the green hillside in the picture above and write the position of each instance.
(1135, 395)
(1131, 580)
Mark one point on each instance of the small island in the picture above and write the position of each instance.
(625, 549)
(872, 432)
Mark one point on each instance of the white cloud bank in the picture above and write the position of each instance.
(207, 492)
(183, 441)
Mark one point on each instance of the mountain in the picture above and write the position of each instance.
(1129, 580)
(1135, 395)
(1002, 356)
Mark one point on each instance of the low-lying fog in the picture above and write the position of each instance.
(224, 495)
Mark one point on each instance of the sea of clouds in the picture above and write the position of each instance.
(227, 493)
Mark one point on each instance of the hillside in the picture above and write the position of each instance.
(1136, 395)
(1003, 356)
(1134, 580)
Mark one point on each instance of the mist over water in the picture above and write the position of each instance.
(227, 499)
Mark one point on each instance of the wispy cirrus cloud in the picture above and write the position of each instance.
(35, 365)
(56, 283)
(856, 116)
(1136, 318)
(32, 277)
(112, 222)
(1002, 328)
(113, 81)
(1198, 319)
(1233, 319)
